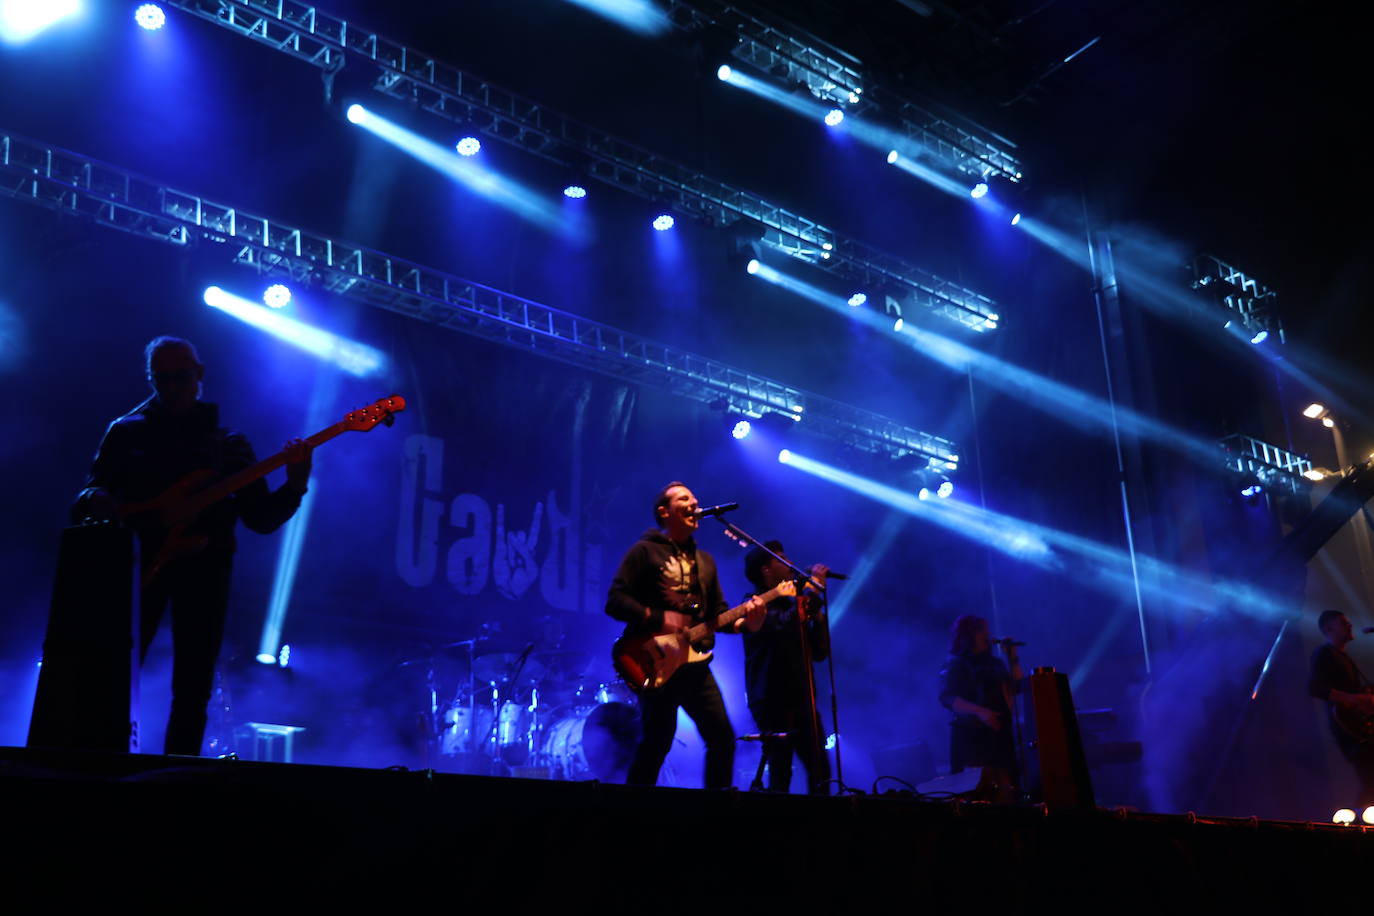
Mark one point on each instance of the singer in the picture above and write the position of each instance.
(664, 583)
(1335, 678)
(976, 687)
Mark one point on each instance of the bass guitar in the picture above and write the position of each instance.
(177, 507)
(647, 662)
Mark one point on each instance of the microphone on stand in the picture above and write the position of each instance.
(715, 510)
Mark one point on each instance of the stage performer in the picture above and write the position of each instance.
(144, 452)
(1337, 680)
(977, 688)
(775, 674)
(666, 582)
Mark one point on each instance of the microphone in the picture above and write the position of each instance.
(1008, 642)
(715, 510)
(834, 575)
(1367, 629)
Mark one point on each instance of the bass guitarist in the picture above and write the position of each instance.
(145, 452)
(1335, 678)
(666, 583)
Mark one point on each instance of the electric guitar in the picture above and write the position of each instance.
(647, 662)
(177, 507)
(1356, 724)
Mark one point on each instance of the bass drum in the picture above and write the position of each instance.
(594, 742)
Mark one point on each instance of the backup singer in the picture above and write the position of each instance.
(144, 452)
(976, 687)
(666, 582)
(1335, 678)
(776, 676)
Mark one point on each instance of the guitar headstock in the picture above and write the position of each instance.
(787, 588)
(382, 411)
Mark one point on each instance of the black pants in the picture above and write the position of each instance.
(197, 589)
(693, 688)
(803, 739)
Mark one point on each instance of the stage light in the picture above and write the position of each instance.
(349, 355)
(923, 493)
(150, 16)
(1368, 815)
(898, 324)
(277, 296)
(267, 658)
(1016, 219)
(752, 267)
(892, 156)
(741, 430)
(857, 299)
(1312, 411)
(723, 73)
(785, 456)
(1253, 490)
(1328, 422)
(575, 191)
(1260, 338)
(21, 20)
(663, 222)
(468, 146)
(1314, 474)
(284, 656)
(833, 117)
(1345, 817)
(945, 490)
(979, 190)
(355, 114)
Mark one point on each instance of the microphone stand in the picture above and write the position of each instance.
(739, 535)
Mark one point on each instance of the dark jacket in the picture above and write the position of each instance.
(148, 450)
(648, 582)
(774, 665)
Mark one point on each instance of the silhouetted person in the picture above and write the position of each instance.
(168, 436)
(976, 686)
(1350, 709)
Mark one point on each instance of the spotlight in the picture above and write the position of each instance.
(751, 268)
(898, 324)
(979, 190)
(833, 117)
(575, 191)
(21, 20)
(277, 296)
(1328, 422)
(945, 489)
(1313, 411)
(663, 222)
(1260, 338)
(284, 656)
(1368, 815)
(1314, 474)
(892, 157)
(150, 16)
(1016, 219)
(267, 658)
(468, 146)
(857, 299)
(355, 113)
(741, 430)
(785, 456)
(1344, 817)
(923, 493)
(1253, 490)
(723, 73)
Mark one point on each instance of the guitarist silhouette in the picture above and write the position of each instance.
(667, 584)
(170, 438)
(1335, 678)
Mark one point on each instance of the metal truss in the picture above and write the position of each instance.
(305, 33)
(831, 75)
(70, 183)
(1254, 304)
(1265, 463)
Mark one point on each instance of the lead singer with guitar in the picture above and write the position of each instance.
(172, 435)
(1335, 678)
(666, 583)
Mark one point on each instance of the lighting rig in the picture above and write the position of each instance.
(1249, 303)
(1265, 466)
(305, 33)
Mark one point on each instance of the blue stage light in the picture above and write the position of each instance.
(663, 222)
(349, 355)
(575, 191)
(752, 267)
(355, 113)
(468, 146)
(21, 20)
(267, 658)
(1252, 490)
(150, 16)
(892, 157)
(945, 489)
(923, 493)
(284, 656)
(723, 74)
(1260, 338)
(741, 430)
(833, 117)
(277, 296)
(979, 190)
(1016, 219)
(898, 324)
(858, 299)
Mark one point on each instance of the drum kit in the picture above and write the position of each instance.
(513, 710)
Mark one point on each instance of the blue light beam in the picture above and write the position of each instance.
(22, 20)
(639, 16)
(349, 355)
(529, 205)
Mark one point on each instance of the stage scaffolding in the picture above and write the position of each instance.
(71, 183)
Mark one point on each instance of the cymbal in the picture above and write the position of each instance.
(499, 667)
